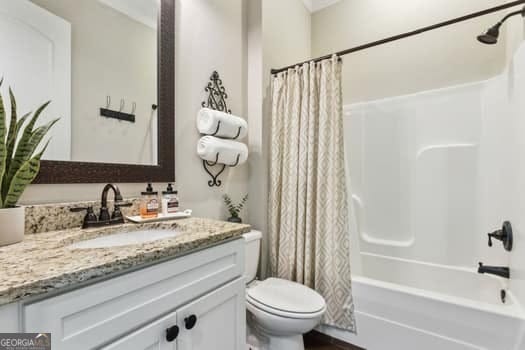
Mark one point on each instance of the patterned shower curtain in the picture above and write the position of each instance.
(308, 209)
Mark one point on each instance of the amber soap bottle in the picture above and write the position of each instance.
(149, 203)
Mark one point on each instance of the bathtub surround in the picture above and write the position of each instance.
(433, 172)
(308, 217)
(393, 316)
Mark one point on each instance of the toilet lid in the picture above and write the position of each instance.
(283, 295)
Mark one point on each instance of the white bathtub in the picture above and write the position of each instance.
(409, 305)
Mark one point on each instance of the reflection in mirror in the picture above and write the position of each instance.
(84, 56)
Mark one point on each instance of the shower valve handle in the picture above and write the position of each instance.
(504, 235)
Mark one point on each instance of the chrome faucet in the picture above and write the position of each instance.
(104, 218)
(494, 270)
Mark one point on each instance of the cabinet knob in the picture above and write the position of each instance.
(172, 333)
(190, 321)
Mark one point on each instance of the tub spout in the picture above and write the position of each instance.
(494, 270)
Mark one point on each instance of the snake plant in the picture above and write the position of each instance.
(19, 159)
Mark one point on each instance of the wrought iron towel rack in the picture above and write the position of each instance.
(217, 100)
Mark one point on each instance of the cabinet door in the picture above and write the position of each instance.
(216, 321)
(150, 337)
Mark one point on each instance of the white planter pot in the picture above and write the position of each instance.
(12, 225)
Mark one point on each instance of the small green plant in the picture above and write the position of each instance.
(19, 160)
(233, 208)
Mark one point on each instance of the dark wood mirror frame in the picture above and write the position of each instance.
(61, 172)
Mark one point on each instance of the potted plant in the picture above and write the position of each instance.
(19, 164)
(234, 209)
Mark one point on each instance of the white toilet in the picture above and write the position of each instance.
(279, 311)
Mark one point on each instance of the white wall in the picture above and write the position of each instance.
(278, 34)
(439, 58)
(257, 164)
(210, 35)
(286, 33)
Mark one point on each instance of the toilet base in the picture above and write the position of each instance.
(294, 342)
(257, 339)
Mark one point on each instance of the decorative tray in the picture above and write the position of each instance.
(162, 217)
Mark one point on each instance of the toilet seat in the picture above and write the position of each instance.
(284, 298)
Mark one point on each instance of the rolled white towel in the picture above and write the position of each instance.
(228, 150)
(208, 119)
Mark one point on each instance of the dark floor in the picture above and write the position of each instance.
(318, 341)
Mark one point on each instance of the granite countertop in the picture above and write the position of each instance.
(44, 263)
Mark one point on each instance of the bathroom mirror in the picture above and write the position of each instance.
(108, 68)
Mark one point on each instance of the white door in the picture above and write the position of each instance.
(216, 321)
(35, 60)
(158, 335)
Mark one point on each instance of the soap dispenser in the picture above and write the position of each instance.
(149, 203)
(170, 201)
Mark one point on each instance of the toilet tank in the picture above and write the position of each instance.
(252, 240)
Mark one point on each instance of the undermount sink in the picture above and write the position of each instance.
(125, 238)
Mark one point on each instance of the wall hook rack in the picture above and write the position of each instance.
(119, 115)
(217, 100)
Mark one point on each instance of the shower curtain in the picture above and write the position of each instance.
(308, 216)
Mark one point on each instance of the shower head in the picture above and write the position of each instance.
(491, 36)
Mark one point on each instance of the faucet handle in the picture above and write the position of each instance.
(121, 204)
(79, 209)
(117, 213)
(90, 215)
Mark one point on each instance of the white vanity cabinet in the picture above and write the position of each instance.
(215, 321)
(192, 302)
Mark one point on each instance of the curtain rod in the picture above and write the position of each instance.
(407, 34)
